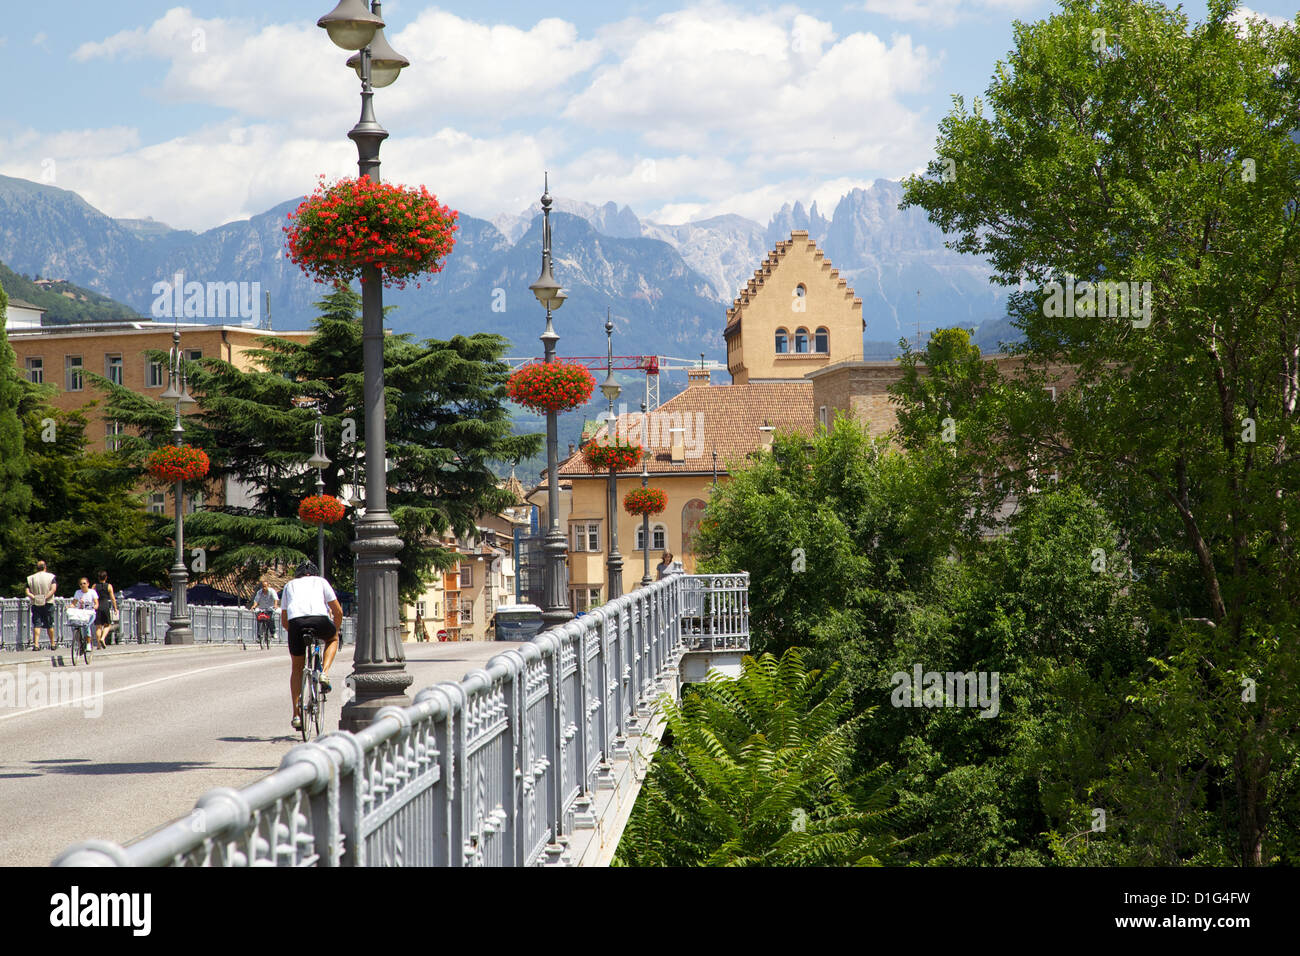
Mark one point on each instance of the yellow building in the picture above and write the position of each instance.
(59, 355)
(796, 316)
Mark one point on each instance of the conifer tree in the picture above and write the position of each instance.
(15, 495)
(447, 421)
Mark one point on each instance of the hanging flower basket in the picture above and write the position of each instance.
(551, 387)
(172, 463)
(321, 509)
(645, 501)
(618, 455)
(352, 223)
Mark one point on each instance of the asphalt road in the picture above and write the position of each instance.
(147, 733)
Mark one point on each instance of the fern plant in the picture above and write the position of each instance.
(753, 773)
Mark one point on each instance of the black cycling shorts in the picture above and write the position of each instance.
(323, 625)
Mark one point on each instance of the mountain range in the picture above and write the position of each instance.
(666, 286)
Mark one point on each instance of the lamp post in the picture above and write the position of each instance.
(551, 296)
(379, 674)
(178, 626)
(645, 518)
(319, 462)
(611, 390)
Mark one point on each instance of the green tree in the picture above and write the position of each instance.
(756, 773)
(446, 420)
(15, 495)
(1124, 146)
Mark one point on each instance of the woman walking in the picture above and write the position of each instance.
(107, 608)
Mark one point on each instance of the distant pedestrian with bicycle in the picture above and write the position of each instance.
(41, 587)
(265, 602)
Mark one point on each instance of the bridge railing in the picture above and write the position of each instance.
(145, 622)
(493, 770)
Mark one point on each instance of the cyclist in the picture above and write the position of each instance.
(265, 601)
(309, 601)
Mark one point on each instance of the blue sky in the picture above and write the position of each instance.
(201, 114)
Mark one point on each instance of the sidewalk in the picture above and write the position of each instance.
(61, 656)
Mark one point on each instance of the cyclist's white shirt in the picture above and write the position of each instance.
(266, 598)
(305, 597)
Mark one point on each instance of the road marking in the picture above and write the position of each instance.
(109, 693)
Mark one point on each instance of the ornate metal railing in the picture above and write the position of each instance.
(145, 622)
(489, 771)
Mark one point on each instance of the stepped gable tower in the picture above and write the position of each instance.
(795, 316)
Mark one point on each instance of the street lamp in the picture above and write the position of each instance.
(645, 516)
(551, 296)
(319, 462)
(379, 674)
(611, 390)
(178, 627)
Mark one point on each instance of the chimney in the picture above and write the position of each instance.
(570, 449)
(677, 445)
(766, 430)
(697, 376)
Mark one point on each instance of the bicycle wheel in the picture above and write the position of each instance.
(318, 708)
(76, 645)
(306, 700)
(86, 642)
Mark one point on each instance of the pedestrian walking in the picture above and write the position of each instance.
(108, 612)
(40, 591)
(665, 564)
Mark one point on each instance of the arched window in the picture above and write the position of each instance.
(822, 342)
(658, 538)
(782, 342)
(692, 514)
(801, 340)
(800, 290)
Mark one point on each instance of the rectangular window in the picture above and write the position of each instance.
(593, 597)
(1051, 391)
(112, 431)
(823, 417)
(72, 373)
(467, 575)
(36, 370)
(153, 373)
(466, 612)
(586, 536)
(158, 503)
(578, 600)
(437, 609)
(657, 539)
(113, 368)
(194, 354)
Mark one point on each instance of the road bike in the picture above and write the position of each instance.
(265, 628)
(311, 699)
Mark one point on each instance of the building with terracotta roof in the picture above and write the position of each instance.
(797, 315)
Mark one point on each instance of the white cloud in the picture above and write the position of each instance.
(1244, 14)
(703, 111)
(778, 91)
